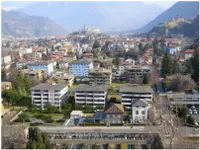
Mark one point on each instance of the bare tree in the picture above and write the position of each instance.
(13, 136)
(169, 124)
(180, 82)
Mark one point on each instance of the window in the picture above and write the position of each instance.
(136, 112)
(143, 112)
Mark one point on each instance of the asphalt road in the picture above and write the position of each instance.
(159, 85)
(5, 120)
(182, 131)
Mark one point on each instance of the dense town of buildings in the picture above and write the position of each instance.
(111, 75)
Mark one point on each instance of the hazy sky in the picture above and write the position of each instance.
(21, 4)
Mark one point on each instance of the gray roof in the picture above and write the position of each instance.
(80, 62)
(90, 88)
(136, 89)
(40, 63)
(140, 103)
(48, 86)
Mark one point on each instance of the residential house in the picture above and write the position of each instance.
(6, 60)
(131, 94)
(69, 57)
(181, 65)
(32, 73)
(108, 65)
(146, 58)
(45, 66)
(63, 64)
(136, 74)
(87, 56)
(80, 68)
(100, 76)
(91, 94)
(21, 63)
(170, 50)
(45, 93)
(189, 53)
(62, 78)
(123, 66)
(114, 114)
(33, 56)
(140, 111)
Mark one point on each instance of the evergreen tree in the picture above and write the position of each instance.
(195, 67)
(96, 44)
(116, 61)
(37, 139)
(166, 68)
(3, 75)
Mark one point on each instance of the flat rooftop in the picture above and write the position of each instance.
(90, 88)
(49, 86)
(136, 89)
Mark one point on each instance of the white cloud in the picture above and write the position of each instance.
(9, 8)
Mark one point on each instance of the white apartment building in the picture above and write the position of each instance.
(140, 111)
(131, 94)
(91, 94)
(46, 93)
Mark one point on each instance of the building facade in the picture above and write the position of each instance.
(140, 111)
(131, 94)
(45, 66)
(91, 95)
(114, 114)
(80, 68)
(45, 93)
(136, 74)
(100, 76)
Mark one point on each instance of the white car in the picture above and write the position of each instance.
(195, 112)
(190, 111)
(193, 107)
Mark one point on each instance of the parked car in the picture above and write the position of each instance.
(190, 111)
(195, 112)
(169, 92)
(193, 107)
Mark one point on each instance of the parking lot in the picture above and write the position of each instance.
(193, 109)
(102, 136)
(99, 146)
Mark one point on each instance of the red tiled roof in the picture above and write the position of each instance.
(181, 60)
(114, 109)
(146, 63)
(87, 54)
(189, 51)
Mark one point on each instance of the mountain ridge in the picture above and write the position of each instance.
(108, 16)
(19, 24)
(178, 8)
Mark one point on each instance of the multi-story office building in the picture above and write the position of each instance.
(45, 93)
(131, 94)
(46, 66)
(80, 68)
(91, 95)
(100, 76)
(136, 74)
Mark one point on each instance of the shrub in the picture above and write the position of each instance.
(60, 121)
(48, 119)
(36, 124)
(190, 120)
